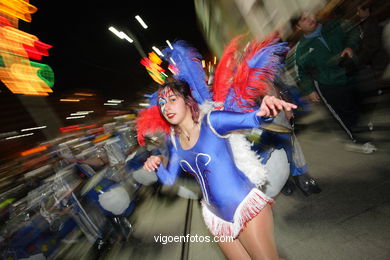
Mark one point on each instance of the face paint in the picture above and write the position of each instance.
(162, 102)
(166, 92)
(163, 98)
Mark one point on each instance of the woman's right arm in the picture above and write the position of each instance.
(222, 122)
(166, 175)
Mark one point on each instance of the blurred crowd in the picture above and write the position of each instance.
(341, 59)
(83, 183)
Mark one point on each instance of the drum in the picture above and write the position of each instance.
(278, 171)
(280, 124)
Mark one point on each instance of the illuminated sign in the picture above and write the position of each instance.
(152, 65)
(18, 8)
(17, 72)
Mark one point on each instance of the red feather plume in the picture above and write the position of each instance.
(223, 76)
(150, 121)
(247, 85)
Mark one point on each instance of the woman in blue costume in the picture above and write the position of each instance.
(232, 205)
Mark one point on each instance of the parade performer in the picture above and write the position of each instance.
(230, 175)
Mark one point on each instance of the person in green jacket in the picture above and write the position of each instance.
(324, 59)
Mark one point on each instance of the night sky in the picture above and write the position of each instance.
(86, 55)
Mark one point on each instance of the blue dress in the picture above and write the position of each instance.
(225, 188)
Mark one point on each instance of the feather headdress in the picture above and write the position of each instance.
(237, 84)
(188, 62)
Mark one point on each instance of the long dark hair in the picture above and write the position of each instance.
(183, 90)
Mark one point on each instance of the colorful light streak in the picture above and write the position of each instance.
(72, 128)
(34, 150)
(17, 72)
(173, 69)
(154, 69)
(18, 8)
(101, 138)
(84, 94)
(69, 100)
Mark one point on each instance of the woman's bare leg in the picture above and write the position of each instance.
(234, 250)
(258, 236)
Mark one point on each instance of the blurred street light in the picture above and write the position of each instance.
(115, 101)
(115, 31)
(157, 50)
(69, 100)
(169, 44)
(119, 34)
(18, 136)
(139, 19)
(33, 128)
(74, 117)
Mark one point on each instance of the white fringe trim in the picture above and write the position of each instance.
(247, 160)
(253, 203)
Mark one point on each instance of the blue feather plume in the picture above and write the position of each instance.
(188, 61)
(269, 57)
(153, 98)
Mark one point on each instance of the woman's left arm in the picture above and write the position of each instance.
(223, 121)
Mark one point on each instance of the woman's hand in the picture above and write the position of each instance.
(271, 106)
(152, 163)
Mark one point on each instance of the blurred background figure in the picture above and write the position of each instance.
(373, 58)
(326, 60)
(371, 52)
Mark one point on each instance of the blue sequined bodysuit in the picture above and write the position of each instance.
(211, 161)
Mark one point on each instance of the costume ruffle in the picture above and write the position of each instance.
(253, 203)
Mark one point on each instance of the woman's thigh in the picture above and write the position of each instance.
(234, 250)
(258, 236)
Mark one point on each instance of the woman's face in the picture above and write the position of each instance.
(172, 106)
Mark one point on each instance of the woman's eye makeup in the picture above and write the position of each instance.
(162, 101)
